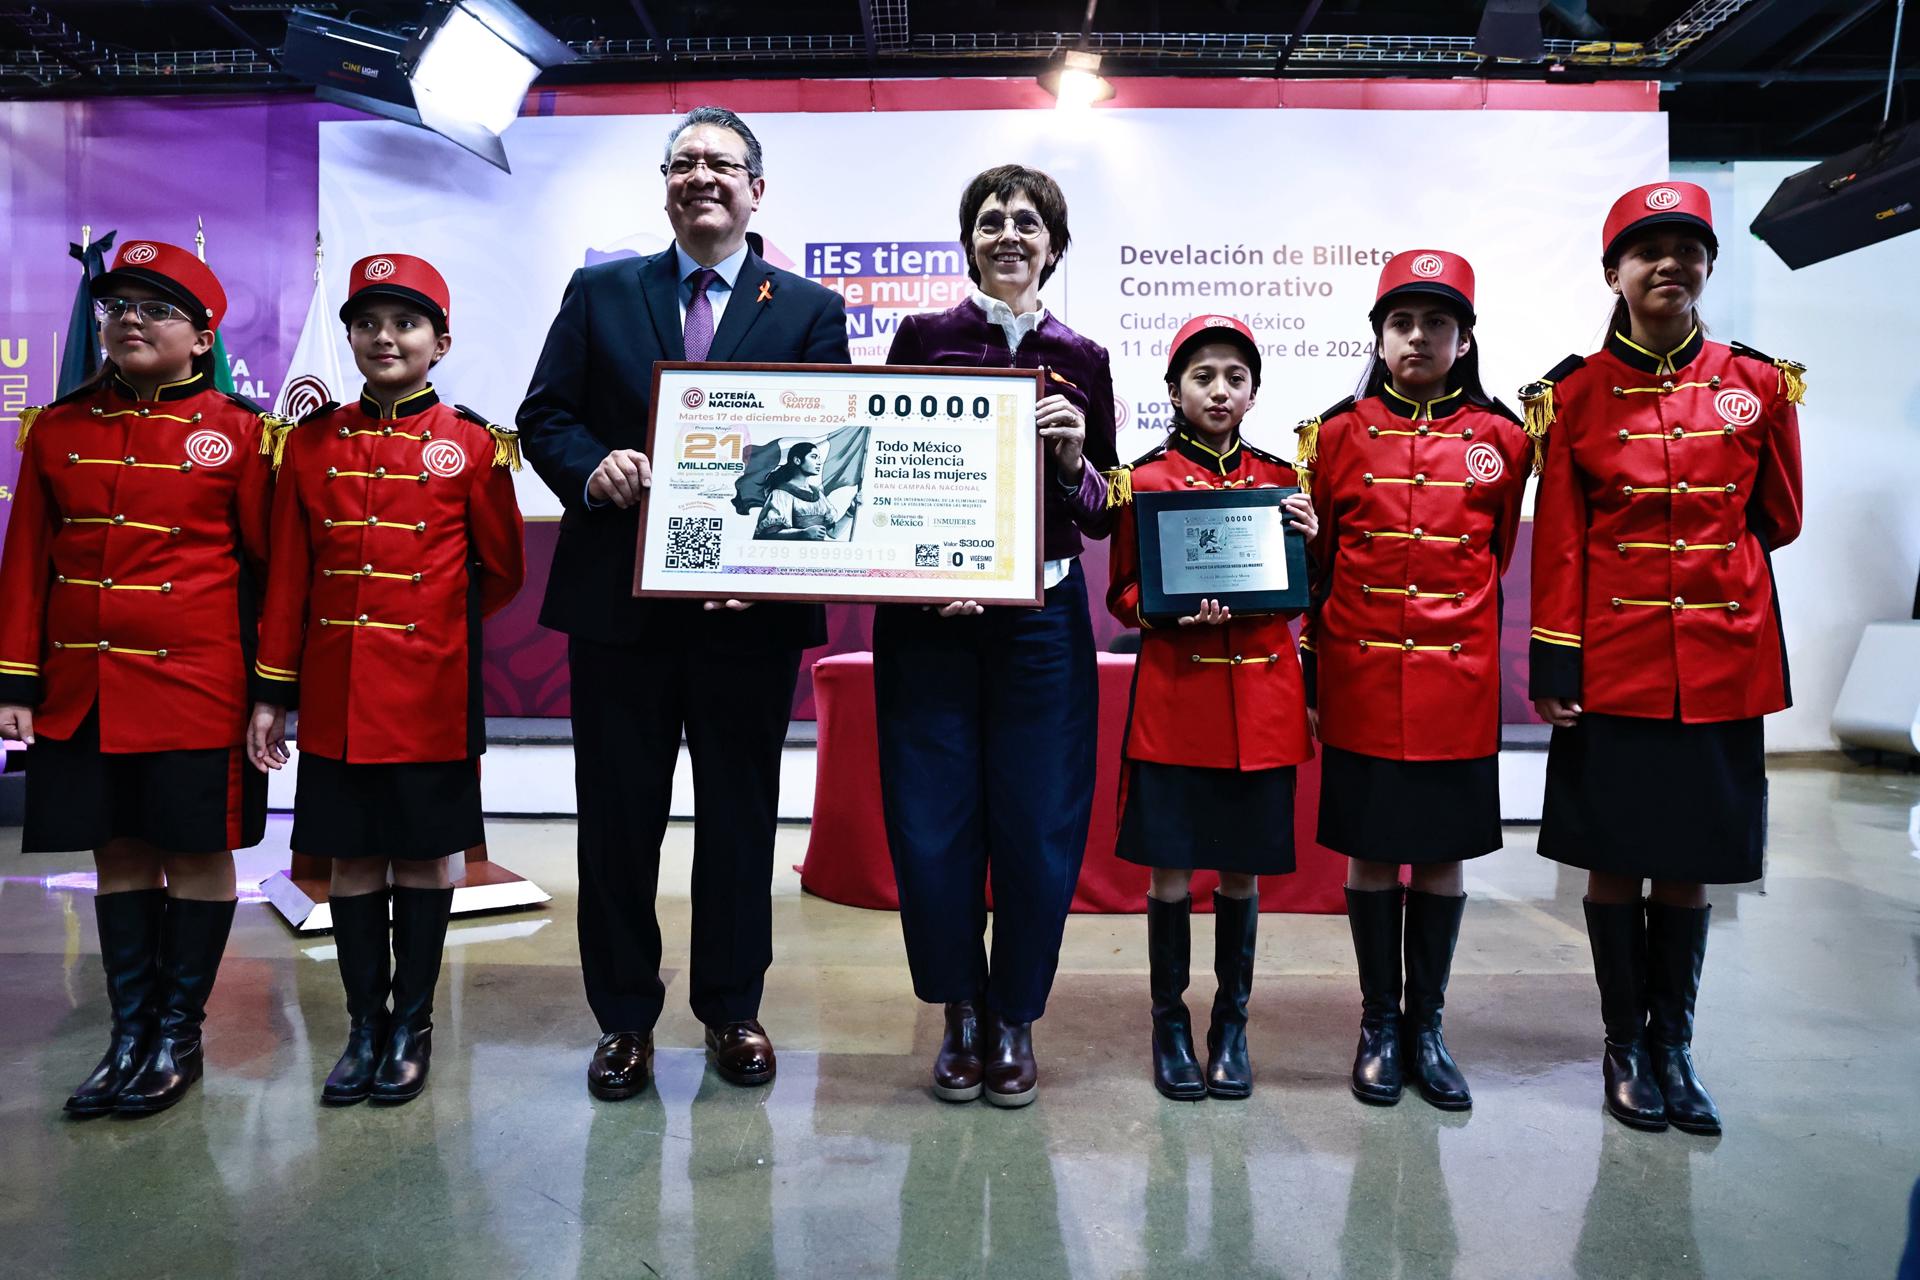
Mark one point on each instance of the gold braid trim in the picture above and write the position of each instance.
(273, 436)
(506, 446)
(1119, 486)
(26, 424)
(1793, 380)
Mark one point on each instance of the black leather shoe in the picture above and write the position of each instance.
(1236, 921)
(193, 937)
(1176, 1070)
(1617, 932)
(1374, 917)
(622, 1066)
(957, 1070)
(1676, 950)
(130, 952)
(360, 936)
(742, 1053)
(419, 938)
(1012, 1076)
(1432, 929)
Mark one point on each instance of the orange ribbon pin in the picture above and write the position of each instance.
(766, 291)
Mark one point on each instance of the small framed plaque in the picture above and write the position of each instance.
(1230, 545)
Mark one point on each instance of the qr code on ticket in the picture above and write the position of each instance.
(693, 542)
(926, 555)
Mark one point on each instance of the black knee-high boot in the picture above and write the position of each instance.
(1236, 923)
(1374, 916)
(360, 936)
(419, 936)
(193, 937)
(130, 952)
(1618, 933)
(1676, 948)
(1176, 1071)
(1433, 928)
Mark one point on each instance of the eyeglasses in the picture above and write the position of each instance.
(718, 166)
(1026, 224)
(151, 310)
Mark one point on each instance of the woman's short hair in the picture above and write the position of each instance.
(1007, 181)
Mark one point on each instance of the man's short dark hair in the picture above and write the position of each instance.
(724, 119)
(1007, 181)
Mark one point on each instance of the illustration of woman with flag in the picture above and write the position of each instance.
(799, 507)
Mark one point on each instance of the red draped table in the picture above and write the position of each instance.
(847, 859)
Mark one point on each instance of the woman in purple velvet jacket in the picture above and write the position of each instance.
(986, 715)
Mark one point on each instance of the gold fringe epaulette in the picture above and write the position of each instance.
(1793, 380)
(1538, 409)
(1119, 486)
(26, 424)
(1305, 451)
(506, 441)
(1793, 374)
(506, 446)
(273, 436)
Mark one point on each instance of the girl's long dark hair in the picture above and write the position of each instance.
(1464, 376)
(789, 470)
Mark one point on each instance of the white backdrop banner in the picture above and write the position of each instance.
(1282, 218)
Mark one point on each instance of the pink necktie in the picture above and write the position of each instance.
(699, 327)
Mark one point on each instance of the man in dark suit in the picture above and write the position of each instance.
(644, 671)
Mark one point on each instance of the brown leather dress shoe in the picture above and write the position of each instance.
(742, 1053)
(957, 1071)
(1012, 1078)
(622, 1065)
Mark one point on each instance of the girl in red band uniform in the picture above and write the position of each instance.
(138, 535)
(1672, 474)
(1418, 487)
(395, 532)
(1218, 721)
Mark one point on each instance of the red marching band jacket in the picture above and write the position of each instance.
(394, 534)
(1670, 477)
(1419, 507)
(138, 533)
(1215, 697)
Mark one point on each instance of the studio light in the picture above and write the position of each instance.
(1075, 81)
(1510, 30)
(461, 71)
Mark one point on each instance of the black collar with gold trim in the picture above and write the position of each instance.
(1421, 410)
(1635, 356)
(418, 402)
(191, 385)
(1219, 462)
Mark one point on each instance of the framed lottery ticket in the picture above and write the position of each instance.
(842, 482)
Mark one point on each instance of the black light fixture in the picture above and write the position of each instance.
(1510, 29)
(461, 71)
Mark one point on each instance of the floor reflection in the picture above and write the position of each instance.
(979, 1196)
(1399, 1213)
(1639, 1218)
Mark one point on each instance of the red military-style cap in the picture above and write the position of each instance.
(1210, 328)
(171, 270)
(1657, 204)
(397, 275)
(1445, 275)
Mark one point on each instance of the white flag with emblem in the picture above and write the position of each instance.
(315, 376)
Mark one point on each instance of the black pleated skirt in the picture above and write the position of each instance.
(1411, 811)
(1194, 819)
(1658, 799)
(199, 800)
(412, 812)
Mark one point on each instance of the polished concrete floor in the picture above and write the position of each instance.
(1809, 1035)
